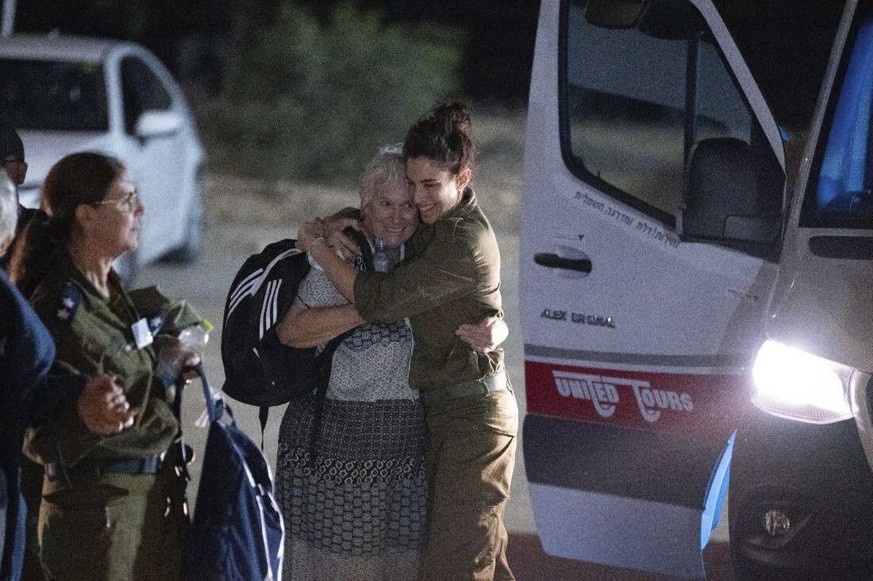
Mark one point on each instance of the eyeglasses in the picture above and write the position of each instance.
(127, 204)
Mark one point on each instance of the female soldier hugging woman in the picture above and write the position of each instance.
(358, 509)
(451, 276)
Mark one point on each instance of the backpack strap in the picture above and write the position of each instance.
(178, 456)
(215, 408)
(326, 356)
(325, 366)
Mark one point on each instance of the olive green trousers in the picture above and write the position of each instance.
(470, 459)
(111, 529)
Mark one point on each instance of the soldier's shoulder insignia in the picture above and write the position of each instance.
(156, 322)
(69, 301)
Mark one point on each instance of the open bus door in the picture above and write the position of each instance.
(653, 207)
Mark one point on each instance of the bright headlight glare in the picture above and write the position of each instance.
(794, 384)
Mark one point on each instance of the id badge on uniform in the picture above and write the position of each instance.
(142, 335)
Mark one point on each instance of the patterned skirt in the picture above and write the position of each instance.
(358, 511)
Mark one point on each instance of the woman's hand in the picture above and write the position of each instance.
(331, 229)
(334, 235)
(343, 246)
(486, 336)
(308, 233)
(103, 407)
(176, 360)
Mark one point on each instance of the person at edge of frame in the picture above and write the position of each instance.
(14, 166)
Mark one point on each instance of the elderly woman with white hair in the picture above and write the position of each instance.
(358, 509)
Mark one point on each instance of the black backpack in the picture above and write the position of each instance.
(259, 370)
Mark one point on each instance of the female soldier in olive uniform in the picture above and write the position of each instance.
(103, 514)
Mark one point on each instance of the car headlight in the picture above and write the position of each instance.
(793, 384)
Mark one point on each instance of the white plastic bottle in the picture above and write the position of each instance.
(380, 255)
(171, 359)
(196, 336)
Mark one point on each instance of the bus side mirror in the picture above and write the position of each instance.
(732, 197)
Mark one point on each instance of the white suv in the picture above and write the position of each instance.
(67, 94)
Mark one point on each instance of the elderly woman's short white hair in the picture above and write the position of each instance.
(386, 169)
(8, 208)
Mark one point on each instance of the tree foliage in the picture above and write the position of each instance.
(314, 99)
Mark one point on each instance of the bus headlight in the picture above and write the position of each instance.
(793, 384)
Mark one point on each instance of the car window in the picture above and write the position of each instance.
(52, 95)
(142, 90)
(630, 110)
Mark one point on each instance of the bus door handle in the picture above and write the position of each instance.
(576, 265)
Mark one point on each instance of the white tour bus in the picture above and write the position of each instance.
(696, 271)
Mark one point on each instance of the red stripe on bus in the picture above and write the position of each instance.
(634, 399)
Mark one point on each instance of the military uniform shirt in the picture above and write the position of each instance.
(93, 335)
(451, 277)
